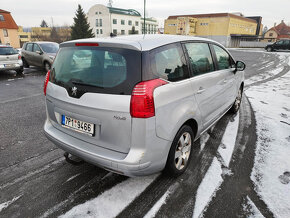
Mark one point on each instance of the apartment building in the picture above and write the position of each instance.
(222, 27)
(106, 20)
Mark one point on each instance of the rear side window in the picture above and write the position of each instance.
(101, 70)
(224, 61)
(200, 58)
(29, 47)
(168, 62)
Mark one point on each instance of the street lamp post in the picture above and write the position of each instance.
(144, 16)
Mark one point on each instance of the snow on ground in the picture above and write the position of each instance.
(271, 173)
(6, 204)
(208, 187)
(228, 141)
(251, 210)
(113, 201)
(152, 212)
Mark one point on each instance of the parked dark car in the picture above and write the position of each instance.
(280, 45)
(40, 54)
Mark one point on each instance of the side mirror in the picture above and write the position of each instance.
(39, 52)
(240, 66)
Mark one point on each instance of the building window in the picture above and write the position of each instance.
(114, 21)
(96, 12)
(2, 17)
(97, 31)
(5, 32)
(97, 22)
(115, 31)
(122, 32)
(130, 22)
(122, 22)
(136, 23)
(101, 22)
(271, 34)
(100, 12)
(101, 31)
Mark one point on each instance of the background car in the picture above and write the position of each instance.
(40, 54)
(280, 45)
(10, 59)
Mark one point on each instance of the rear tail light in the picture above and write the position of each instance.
(142, 100)
(46, 82)
(19, 57)
(87, 44)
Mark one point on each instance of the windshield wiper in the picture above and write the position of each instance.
(85, 84)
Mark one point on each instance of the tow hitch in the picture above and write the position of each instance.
(72, 159)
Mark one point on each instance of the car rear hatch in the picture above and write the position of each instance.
(8, 56)
(91, 84)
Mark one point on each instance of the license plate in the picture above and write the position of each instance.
(8, 65)
(78, 125)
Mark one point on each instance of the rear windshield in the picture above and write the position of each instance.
(49, 47)
(96, 69)
(7, 51)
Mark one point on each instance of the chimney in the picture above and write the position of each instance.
(274, 24)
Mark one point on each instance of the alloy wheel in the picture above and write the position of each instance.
(182, 151)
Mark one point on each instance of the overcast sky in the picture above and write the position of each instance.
(29, 13)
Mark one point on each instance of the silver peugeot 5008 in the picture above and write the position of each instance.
(135, 105)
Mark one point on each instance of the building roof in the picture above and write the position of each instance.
(138, 42)
(282, 30)
(213, 15)
(130, 12)
(8, 22)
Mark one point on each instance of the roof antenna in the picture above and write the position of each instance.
(110, 3)
(144, 17)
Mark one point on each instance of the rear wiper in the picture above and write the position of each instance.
(85, 84)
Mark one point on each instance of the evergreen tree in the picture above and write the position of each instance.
(43, 24)
(81, 27)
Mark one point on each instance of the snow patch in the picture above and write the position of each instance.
(113, 201)
(208, 187)
(153, 211)
(229, 140)
(6, 204)
(251, 208)
(272, 160)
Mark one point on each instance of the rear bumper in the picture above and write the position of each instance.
(17, 66)
(148, 157)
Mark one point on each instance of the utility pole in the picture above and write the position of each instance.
(144, 17)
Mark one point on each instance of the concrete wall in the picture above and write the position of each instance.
(241, 27)
(245, 44)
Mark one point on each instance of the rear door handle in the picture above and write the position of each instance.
(201, 90)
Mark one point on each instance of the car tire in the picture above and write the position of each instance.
(269, 49)
(19, 72)
(46, 66)
(180, 152)
(25, 64)
(237, 103)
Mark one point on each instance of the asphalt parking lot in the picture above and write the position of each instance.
(36, 181)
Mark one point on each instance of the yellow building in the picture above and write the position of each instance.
(8, 30)
(23, 36)
(222, 27)
(181, 26)
(40, 33)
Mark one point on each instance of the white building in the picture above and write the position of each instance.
(106, 20)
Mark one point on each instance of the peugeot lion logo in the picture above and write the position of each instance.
(74, 90)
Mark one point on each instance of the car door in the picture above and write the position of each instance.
(226, 68)
(37, 55)
(207, 84)
(279, 45)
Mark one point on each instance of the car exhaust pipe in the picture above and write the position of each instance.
(73, 159)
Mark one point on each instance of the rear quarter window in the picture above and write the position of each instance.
(168, 62)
